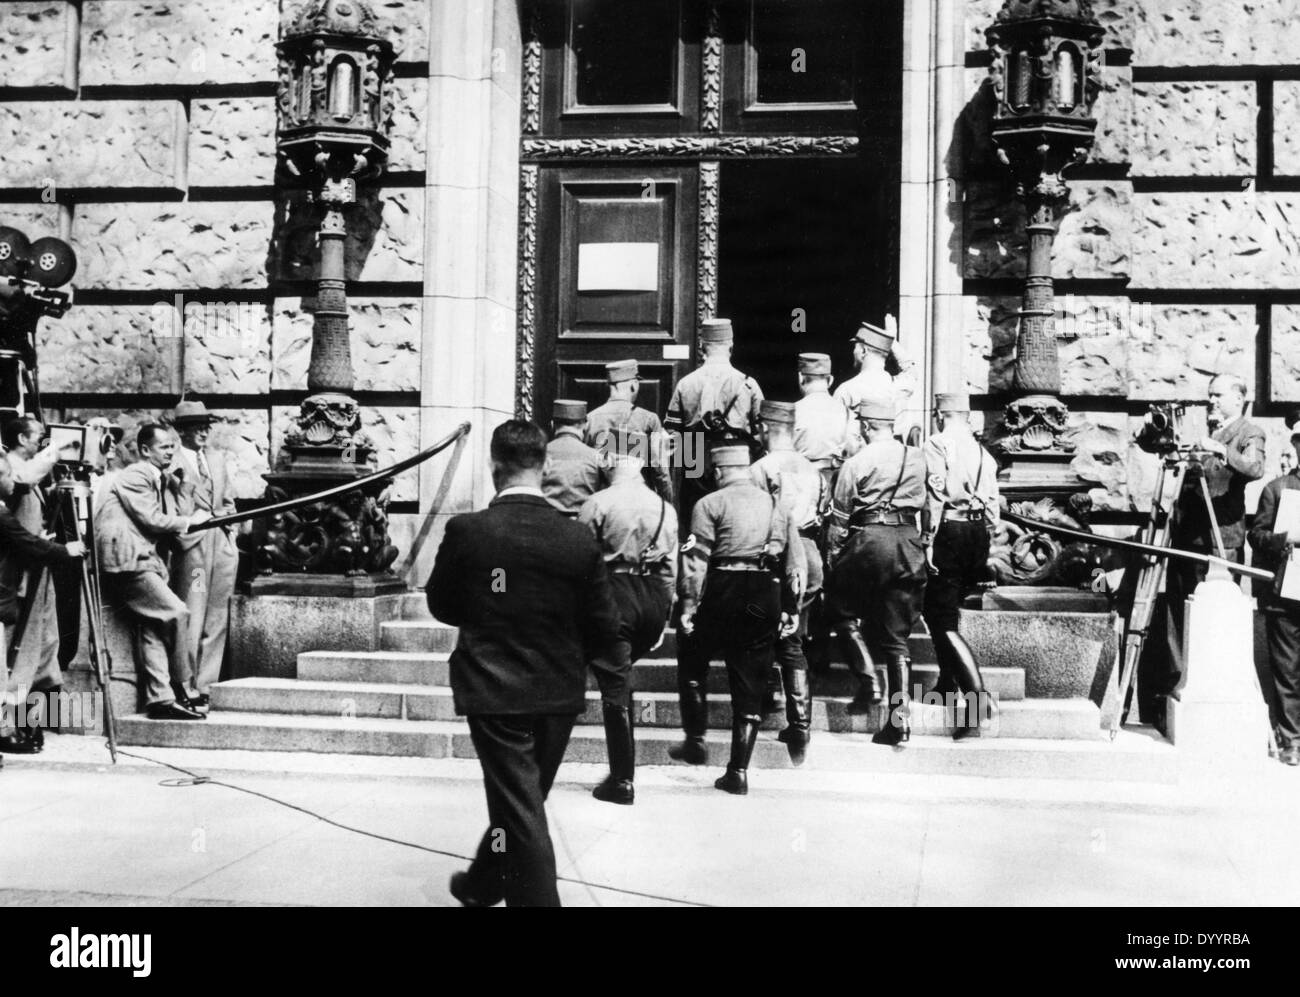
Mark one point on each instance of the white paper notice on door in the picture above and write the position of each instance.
(618, 266)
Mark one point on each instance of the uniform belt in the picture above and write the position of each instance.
(963, 515)
(635, 569)
(882, 518)
(738, 564)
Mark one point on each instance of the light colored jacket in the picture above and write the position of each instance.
(214, 494)
(130, 522)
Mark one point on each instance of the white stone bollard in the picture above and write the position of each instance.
(1217, 718)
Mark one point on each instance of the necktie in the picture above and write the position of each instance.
(162, 492)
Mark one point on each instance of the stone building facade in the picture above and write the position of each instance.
(143, 132)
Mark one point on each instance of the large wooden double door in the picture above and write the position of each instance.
(682, 156)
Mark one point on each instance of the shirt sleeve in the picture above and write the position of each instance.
(936, 488)
(1246, 455)
(28, 545)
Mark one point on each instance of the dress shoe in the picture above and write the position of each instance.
(16, 744)
(459, 888)
(692, 751)
(173, 711)
(613, 790)
(37, 738)
(201, 702)
(1290, 755)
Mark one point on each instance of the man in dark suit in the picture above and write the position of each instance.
(137, 511)
(20, 551)
(530, 593)
(1234, 456)
(1281, 616)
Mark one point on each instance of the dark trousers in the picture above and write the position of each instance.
(1161, 666)
(1283, 629)
(520, 755)
(961, 555)
(738, 617)
(880, 580)
(790, 650)
(643, 603)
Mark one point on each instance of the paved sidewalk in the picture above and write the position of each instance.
(74, 830)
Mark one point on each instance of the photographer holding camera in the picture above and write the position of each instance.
(20, 550)
(31, 465)
(1231, 456)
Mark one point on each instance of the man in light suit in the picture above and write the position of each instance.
(203, 569)
(137, 512)
(528, 588)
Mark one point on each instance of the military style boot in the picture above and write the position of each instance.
(744, 732)
(617, 786)
(774, 697)
(695, 721)
(798, 713)
(897, 728)
(967, 715)
(871, 678)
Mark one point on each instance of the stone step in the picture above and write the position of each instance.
(1040, 718)
(657, 674)
(429, 636)
(1133, 757)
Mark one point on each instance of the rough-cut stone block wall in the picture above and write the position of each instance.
(1179, 257)
(144, 132)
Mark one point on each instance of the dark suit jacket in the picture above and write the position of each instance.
(1227, 477)
(1270, 547)
(529, 591)
(20, 550)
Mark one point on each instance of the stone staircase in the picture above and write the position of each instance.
(396, 701)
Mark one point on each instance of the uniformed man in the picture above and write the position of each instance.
(714, 405)
(961, 511)
(574, 471)
(742, 574)
(637, 533)
(872, 346)
(795, 483)
(877, 565)
(822, 425)
(622, 417)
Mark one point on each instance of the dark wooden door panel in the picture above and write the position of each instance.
(619, 282)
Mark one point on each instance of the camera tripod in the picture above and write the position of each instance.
(70, 517)
(1175, 466)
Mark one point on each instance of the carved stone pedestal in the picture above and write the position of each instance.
(278, 617)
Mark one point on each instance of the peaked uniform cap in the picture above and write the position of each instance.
(778, 412)
(716, 330)
(814, 363)
(952, 401)
(875, 408)
(567, 408)
(730, 456)
(621, 370)
(874, 338)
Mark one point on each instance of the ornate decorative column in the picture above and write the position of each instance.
(335, 107)
(1046, 76)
